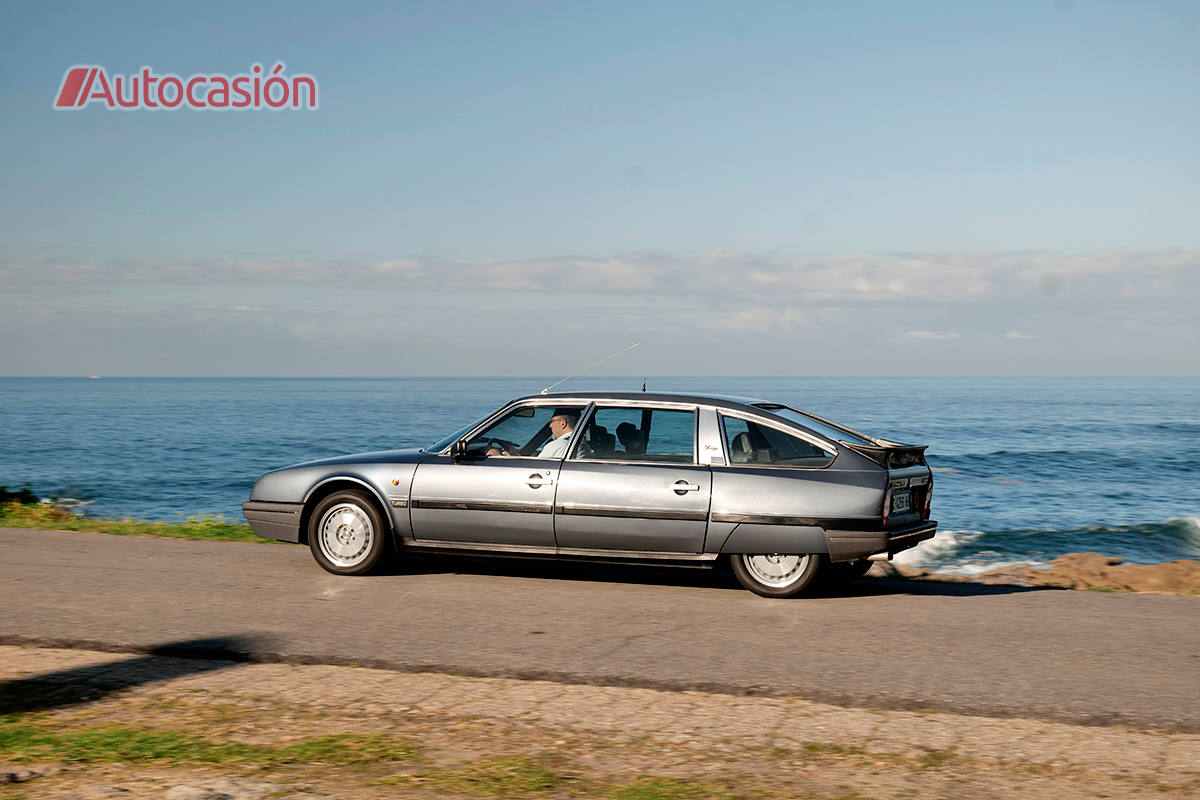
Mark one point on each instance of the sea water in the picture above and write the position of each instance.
(1025, 469)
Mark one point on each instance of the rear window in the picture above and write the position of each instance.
(833, 432)
(639, 434)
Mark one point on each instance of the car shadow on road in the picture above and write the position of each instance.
(720, 577)
(551, 569)
(85, 684)
(874, 587)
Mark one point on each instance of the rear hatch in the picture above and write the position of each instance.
(910, 481)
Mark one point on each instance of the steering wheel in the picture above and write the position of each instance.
(504, 446)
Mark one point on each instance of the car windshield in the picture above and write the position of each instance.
(828, 430)
(442, 444)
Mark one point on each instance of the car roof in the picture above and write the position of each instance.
(730, 402)
(722, 401)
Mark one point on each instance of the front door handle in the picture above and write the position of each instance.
(682, 487)
(538, 479)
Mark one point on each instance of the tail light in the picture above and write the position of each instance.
(928, 501)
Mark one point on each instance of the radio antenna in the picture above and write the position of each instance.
(589, 366)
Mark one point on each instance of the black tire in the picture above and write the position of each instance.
(776, 574)
(346, 533)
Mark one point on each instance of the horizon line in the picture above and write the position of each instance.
(542, 377)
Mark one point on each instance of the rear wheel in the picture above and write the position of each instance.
(346, 533)
(777, 574)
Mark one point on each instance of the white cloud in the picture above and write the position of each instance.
(1019, 336)
(932, 336)
(235, 309)
(740, 281)
(406, 267)
(755, 320)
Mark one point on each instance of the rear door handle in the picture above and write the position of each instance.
(682, 487)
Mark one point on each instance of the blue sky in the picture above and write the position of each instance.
(520, 188)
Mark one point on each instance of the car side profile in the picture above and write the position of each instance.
(793, 500)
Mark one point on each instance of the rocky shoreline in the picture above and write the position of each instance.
(1072, 571)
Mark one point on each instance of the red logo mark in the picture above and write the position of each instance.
(71, 91)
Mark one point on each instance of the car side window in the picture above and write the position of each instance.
(639, 434)
(524, 431)
(751, 443)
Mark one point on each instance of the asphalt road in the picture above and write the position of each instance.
(1083, 657)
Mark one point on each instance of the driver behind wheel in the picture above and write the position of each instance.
(562, 426)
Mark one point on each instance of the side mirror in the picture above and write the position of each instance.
(458, 450)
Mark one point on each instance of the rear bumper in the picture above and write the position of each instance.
(852, 545)
(274, 520)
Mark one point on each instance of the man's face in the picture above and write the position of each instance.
(558, 426)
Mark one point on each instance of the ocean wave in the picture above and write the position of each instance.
(1173, 427)
(978, 567)
(1178, 528)
(954, 553)
(941, 548)
(1189, 527)
(974, 551)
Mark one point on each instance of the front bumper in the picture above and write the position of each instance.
(853, 545)
(274, 520)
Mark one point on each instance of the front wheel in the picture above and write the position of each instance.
(776, 574)
(346, 533)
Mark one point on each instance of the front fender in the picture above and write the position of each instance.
(387, 483)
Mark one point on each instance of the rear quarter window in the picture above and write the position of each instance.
(752, 443)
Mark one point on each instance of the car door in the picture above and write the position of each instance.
(501, 492)
(632, 482)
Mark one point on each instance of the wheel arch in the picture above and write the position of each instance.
(339, 483)
(760, 538)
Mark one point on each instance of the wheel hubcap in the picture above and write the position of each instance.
(775, 569)
(346, 534)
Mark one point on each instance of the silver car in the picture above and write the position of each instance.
(794, 501)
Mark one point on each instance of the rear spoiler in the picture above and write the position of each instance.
(890, 454)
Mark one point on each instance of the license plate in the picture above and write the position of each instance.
(901, 502)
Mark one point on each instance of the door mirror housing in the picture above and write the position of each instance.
(458, 450)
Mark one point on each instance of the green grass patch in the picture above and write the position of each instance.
(1101, 589)
(649, 787)
(816, 748)
(25, 741)
(45, 516)
(348, 748)
(501, 776)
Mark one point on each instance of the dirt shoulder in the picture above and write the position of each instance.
(81, 724)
